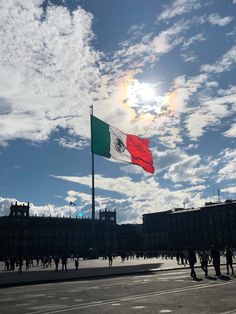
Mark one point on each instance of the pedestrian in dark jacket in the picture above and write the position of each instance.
(76, 263)
(215, 257)
(204, 260)
(64, 263)
(229, 260)
(192, 261)
(56, 261)
(110, 259)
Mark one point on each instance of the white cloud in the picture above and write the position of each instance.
(229, 190)
(179, 167)
(211, 84)
(188, 170)
(196, 122)
(150, 47)
(196, 38)
(189, 56)
(210, 111)
(231, 132)
(137, 197)
(227, 172)
(215, 19)
(132, 169)
(179, 7)
(5, 204)
(78, 143)
(231, 33)
(212, 107)
(40, 89)
(136, 30)
(167, 158)
(224, 64)
(169, 38)
(184, 88)
(45, 210)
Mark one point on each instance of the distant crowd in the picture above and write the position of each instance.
(12, 263)
(183, 257)
(16, 263)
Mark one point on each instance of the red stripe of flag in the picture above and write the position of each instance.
(140, 153)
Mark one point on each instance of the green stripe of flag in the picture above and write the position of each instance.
(100, 137)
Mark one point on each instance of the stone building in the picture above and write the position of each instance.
(214, 223)
(130, 238)
(21, 233)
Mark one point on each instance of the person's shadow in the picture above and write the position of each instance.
(211, 278)
(223, 277)
(197, 279)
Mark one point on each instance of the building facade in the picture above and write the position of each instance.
(22, 234)
(212, 224)
(130, 238)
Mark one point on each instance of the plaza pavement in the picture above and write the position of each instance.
(89, 269)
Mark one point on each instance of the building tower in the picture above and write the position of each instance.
(17, 210)
(108, 216)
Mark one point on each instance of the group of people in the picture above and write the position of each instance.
(13, 263)
(183, 257)
(206, 257)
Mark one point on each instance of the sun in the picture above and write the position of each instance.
(146, 92)
(141, 92)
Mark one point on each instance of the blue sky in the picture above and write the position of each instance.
(163, 70)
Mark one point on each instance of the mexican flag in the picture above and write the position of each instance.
(109, 142)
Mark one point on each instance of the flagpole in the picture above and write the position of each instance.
(93, 189)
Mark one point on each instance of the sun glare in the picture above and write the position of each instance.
(140, 91)
(146, 92)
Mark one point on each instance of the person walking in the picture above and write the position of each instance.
(76, 261)
(215, 257)
(177, 257)
(20, 264)
(204, 260)
(7, 263)
(192, 261)
(64, 262)
(110, 259)
(181, 256)
(229, 260)
(56, 261)
(27, 263)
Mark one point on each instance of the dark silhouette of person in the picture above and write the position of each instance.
(76, 260)
(110, 259)
(56, 261)
(64, 263)
(20, 264)
(7, 263)
(204, 260)
(181, 255)
(229, 260)
(27, 263)
(37, 260)
(177, 257)
(215, 257)
(12, 263)
(192, 261)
